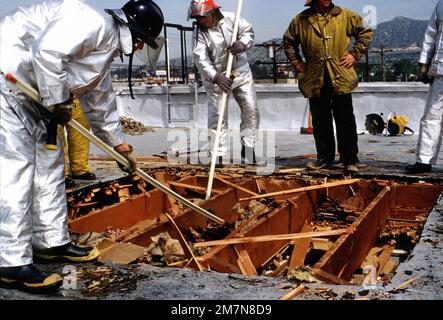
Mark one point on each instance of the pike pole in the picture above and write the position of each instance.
(222, 105)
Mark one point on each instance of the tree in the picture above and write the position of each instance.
(402, 69)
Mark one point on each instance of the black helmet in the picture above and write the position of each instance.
(145, 20)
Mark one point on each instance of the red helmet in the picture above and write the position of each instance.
(201, 8)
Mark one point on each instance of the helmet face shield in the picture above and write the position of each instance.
(201, 8)
(150, 55)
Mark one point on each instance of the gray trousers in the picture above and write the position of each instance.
(246, 98)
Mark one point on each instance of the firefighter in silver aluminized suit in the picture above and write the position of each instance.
(64, 49)
(431, 71)
(213, 38)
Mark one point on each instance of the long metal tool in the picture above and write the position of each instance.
(32, 93)
(222, 105)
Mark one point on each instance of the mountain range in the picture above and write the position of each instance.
(399, 34)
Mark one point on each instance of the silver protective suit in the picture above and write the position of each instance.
(431, 124)
(61, 48)
(211, 57)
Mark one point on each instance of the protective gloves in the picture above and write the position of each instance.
(423, 74)
(237, 47)
(223, 82)
(126, 151)
(63, 112)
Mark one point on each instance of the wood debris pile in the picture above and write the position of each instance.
(101, 195)
(253, 208)
(92, 239)
(403, 237)
(302, 274)
(163, 251)
(132, 127)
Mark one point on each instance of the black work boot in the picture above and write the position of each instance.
(351, 168)
(85, 176)
(248, 155)
(69, 183)
(29, 278)
(66, 253)
(219, 163)
(319, 164)
(418, 168)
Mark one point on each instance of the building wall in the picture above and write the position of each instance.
(282, 107)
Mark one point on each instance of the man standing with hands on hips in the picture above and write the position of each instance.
(327, 76)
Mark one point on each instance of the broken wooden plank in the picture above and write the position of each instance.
(283, 248)
(372, 257)
(279, 270)
(301, 247)
(389, 267)
(291, 295)
(291, 170)
(161, 177)
(244, 262)
(405, 283)
(123, 253)
(384, 258)
(192, 187)
(257, 184)
(322, 244)
(200, 268)
(137, 229)
(84, 204)
(222, 265)
(235, 186)
(277, 237)
(328, 277)
(303, 189)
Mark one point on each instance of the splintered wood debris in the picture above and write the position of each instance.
(132, 127)
(93, 238)
(104, 194)
(163, 251)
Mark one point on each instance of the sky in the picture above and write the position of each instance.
(269, 18)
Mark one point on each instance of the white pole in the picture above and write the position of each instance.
(222, 105)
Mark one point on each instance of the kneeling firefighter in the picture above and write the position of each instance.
(47, 48)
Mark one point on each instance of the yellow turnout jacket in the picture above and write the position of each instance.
(324, 40)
